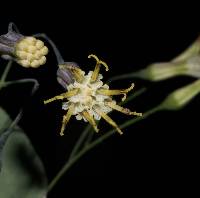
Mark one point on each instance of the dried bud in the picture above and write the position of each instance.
(181, 97)
(26, 51)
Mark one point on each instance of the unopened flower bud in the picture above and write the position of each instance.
(192, 50)
(181, 97)
(161, 71)
(30, 52)
(192, 66)
(64, 75)
(26, 51)
(187, 63)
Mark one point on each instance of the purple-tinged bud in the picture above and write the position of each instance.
(64, 75)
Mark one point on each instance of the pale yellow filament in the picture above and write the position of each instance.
(108, 92)
(108, 119)
(91, 120)
(66, 119)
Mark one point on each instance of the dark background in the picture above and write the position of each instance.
(155, 157)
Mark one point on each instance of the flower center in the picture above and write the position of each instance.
(86, 94)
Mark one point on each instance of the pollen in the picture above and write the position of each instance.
(31, 52)
(89, 99)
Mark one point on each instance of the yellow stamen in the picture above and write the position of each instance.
(95, 73)
(121, 109)
(62, 96)
(108, 92)
(99, 61)
(108, 119)
(97, 67)
(91, 120)
(77, 72)
(66, 119)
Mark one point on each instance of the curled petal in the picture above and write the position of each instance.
(108, 119)
(62, 96)
(97, 67)
(66, 119)
(91, 120)
(115, 92)
(99, 61)
(121, 109)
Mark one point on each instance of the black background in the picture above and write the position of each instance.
(157, 156)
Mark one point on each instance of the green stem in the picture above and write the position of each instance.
(89, 138)
(21, 81)
(5, 74)
(76, 157)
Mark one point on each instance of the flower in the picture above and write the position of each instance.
(27, 51)
(30, 52)
(88, 98)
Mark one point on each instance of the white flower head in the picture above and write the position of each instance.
(88, 98)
